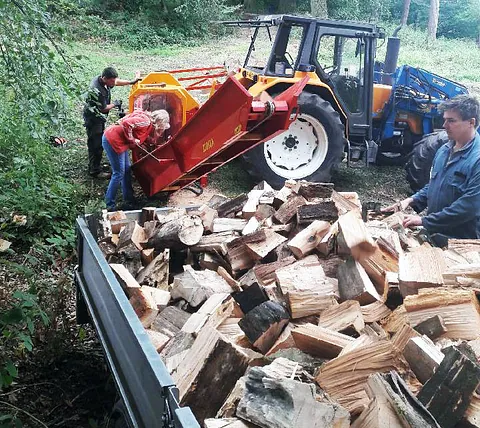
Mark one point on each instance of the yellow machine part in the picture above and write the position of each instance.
(160, 90)
(381, 94)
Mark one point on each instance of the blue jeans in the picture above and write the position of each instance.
(120, 163)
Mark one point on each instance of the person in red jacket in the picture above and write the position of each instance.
(132, 130)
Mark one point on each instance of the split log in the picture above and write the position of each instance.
(173, 214)
(226, 423)
(125, 278)
(210, 369)
(217, 200)
(311, 190)
(228, 278)
(345, 318)
(403, 336)
(150, 228)
(432, 327)
(252, 226)
(303, 303)
(264, 211)
(130, 256)
(173, 354)
(375, 312)
(459, 309)
(221, 224)
(286, 212)
(327, 243)
(344, 378)
(423, 357)
(186, 231)
(307, 240)
(251, 297)
(170, 321)
(197, 286)
(159, 340)
(259, 249)
(233, 206)
(420, 269)
(132, 233)
(216, 242)
(453, 274)
(302, 275)
(393, 405)
(148, 214)
(250, 207)
(319, 341)
(239, 256)
(472, 415)
(284, 341)
(144, 306)
(354, 283)
(396, 320)
(263, 324)
(155, 274)
(207, 215)
(464, 245)
(160, 297)
(106, 245)
(346, 202)
(282, 196)
(325, 211)
(448, 392)
(356, 236)
(147, 255)
(212, 261)
(117, 225)
(265, 273)
(286, 403)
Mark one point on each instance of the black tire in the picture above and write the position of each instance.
(418, 166)
(312, 105)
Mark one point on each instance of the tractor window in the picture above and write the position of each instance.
(262, 47)
(342, 59)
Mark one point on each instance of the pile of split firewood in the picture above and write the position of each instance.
(296, 308)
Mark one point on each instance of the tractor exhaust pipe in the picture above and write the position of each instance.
(391, 58)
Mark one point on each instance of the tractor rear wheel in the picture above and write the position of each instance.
(309, 149)
(418, 166)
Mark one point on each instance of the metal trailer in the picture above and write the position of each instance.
(149, 397)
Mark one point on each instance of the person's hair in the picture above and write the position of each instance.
(109, 73)
(466, 106)
(160, 118)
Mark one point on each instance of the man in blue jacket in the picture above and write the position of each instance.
(452, 197)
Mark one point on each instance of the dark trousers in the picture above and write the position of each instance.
(95, 149)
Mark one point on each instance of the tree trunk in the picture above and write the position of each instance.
(406, 10)
(433, 19)
(318, 8)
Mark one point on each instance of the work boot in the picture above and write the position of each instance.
(102, 175)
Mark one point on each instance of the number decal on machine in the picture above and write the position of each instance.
(207, 145)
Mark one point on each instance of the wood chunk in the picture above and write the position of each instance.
(309, 302)
(130, 257)
(239, 256)
(251, 297)
(175, 350)
(344, 318)
(396, 320)
(319, 341)
(311, 190)
(170, 321)
(284, 341)
(344, 378)
(106, 245)
(159, 340)
(125, 278)
(185, 231)
(212, 261)
(420, 269)
(148, 214)
(216, 242)
(354, 283)
(217, 200)
(423, 357)
(250, 207)
(448, 392)
(286, 212)
(286, 403)
(264, 211)
(231, 207)
(132, 233)
(147, 255)
(155, 274)
(325, 211)
(464, 245)
(302, 275)
(226, 423)
(197, 286)
(327, 243)
(459, 309)
(210, 369)
(115, 216)
(144, 306)
(346, 202)
(472, 415)
(402, 337)
(150, 228)
(282, 196)
(263, 324)
(265, 273)
(356, 236)
(172, 214)
(259, 249)
(252, 226)
(229, 224)
(432, 327)
(307, 240)
(228, 278)
(393, 405)
(375, 312)
(161, 297)
(453, 274)
(207, 215)
(117, 225)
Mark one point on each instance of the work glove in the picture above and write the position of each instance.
(118, 104)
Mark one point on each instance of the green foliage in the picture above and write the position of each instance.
(360, 10)
(17, 326)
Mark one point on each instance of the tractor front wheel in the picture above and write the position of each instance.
(309, 149)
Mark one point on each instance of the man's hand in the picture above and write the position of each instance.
(398, 206)
(132, 82)
(117, 104)
(412, 220)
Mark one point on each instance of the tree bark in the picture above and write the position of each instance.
(318, 8)
(433, 19)
(406, 10)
